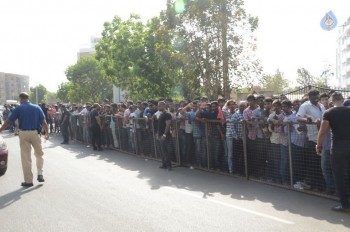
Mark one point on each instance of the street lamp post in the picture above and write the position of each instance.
(36, 95)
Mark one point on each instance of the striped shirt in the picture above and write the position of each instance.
(278, 136)
(252, 128)
(229, 123)
(237, 118)
(296, 137)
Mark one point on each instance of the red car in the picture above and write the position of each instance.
(3, 156)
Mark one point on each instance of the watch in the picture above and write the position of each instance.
(164, 135)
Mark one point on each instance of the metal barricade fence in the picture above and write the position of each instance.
(278, 155)
(299, 93)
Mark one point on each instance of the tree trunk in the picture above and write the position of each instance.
(225, 56)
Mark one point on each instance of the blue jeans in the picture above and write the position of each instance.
(228, 154)
(182, 145)
(327, 170)
(131, 140)
(340, 156)
(215, 153)
(297, 162)
(201, 151)
(284, 163)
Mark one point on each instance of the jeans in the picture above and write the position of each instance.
(274, 162)
(229, 145)
(131, 140)
(182, 145)
(284, 167)
(340, 155)
(327, 170)
(297, 162)
(313, 169)
(201, 151)
(165, 151)
(189, 148)
(124, 138)
(96, 136)
(65, 133)
(215, 154)
(238, 156)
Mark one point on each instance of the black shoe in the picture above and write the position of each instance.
(100, 149)
(162, 166)
(340, 208)
(40, 178)
(25, 184)
(95, 148)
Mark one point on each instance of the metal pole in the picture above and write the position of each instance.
(134, 136)
(154, 140)
(177, 150)
(290, 155)
(244, 137)
(207, 143)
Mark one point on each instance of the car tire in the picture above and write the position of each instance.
(2, 171)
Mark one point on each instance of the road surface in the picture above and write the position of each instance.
(88, 190)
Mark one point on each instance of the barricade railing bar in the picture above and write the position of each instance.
(279, 155)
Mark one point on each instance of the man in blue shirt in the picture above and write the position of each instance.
(31, 118)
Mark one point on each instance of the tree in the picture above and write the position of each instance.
(38, 94)
(218, 44)
(276, 83)
(323, 79)
(51, 97)
(305, 78)
(87, 81)
(63, 91)
(135, 57)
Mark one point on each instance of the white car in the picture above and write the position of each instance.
(3, 156)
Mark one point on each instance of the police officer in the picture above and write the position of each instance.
(31, 119)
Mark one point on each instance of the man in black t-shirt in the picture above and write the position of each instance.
(65, 124)
(164, 135)
(337, 118)
(96, 127)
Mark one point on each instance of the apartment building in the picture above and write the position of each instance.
(343, 56)
(11, 85)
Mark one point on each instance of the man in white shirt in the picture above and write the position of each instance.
(310, 113)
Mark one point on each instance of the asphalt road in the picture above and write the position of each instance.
(88, 190)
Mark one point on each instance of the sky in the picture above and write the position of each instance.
(41, 38)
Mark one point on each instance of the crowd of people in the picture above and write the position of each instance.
(210, 134)
(272, 139)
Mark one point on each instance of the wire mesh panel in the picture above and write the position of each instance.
(86, 136)
(174, 145)
(200, 144)
(263, 155)
(185, 142)
(217, 149)
(106, 132)
(144, 137)
(234, 157)
(79, 134)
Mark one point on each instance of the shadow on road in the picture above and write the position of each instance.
(10, 198)
(209, 184)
